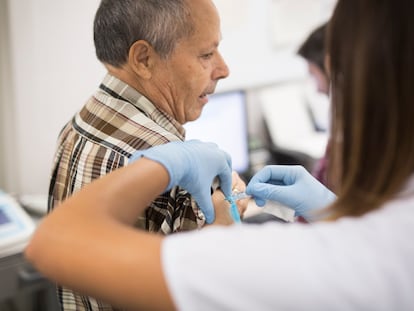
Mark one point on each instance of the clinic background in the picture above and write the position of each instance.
(48, 69)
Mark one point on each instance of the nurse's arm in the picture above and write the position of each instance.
(88, 242)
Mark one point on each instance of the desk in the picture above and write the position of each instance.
(289, 125)
(22, 288)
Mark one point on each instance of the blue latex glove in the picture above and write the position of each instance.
(193, 165)
(291, 185)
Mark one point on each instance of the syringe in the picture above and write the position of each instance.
(237, 195)
(234, 211)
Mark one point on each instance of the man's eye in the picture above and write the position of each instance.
(207, 56)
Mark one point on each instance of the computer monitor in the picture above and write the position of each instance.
(224, 122)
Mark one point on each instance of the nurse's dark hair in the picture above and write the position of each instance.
(371, 50)
(120, 23)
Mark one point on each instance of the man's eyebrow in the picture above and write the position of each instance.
(215, 44)
(209, 46)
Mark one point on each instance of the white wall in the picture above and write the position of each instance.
(53, 70)
(5, 107)
(247, 46)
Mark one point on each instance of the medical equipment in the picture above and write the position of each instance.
(16, 226)
(235, 196)
(234, 212)
(224, 122)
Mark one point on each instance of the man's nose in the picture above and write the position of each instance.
(221, 70)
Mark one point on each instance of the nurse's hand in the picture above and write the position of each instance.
(291, 185)
(193, 165)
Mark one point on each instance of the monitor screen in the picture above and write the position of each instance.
(224, 122)
(3, 218)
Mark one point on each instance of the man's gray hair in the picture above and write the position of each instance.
(120, 23)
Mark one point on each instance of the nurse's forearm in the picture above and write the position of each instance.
(128, 192)
(117, 198)
(86, 244)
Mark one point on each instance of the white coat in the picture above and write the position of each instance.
(364, 263)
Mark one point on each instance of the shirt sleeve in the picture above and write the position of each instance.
(341, 266)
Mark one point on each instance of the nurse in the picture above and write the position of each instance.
(356, 253)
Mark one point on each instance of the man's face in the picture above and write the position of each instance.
(193, 70)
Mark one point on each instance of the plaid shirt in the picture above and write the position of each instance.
(100, 138)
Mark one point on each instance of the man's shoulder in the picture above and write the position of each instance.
(118, 125)
(96, 126)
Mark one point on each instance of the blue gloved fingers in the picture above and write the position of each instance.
(263, 192)
(259, 202)
(204, 200)
(205, 203)
(292, 186)
(260, 186)
(264, 176)
(277, 175)
(202, 195)
(225, 177)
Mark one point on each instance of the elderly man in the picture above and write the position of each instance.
(162, 60)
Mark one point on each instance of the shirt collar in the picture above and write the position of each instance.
(120, 90)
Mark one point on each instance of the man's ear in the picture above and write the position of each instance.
(140, 58)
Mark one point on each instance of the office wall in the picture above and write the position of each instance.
(53, 70)
(6, 108)
(3, 32)
(248, 46)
